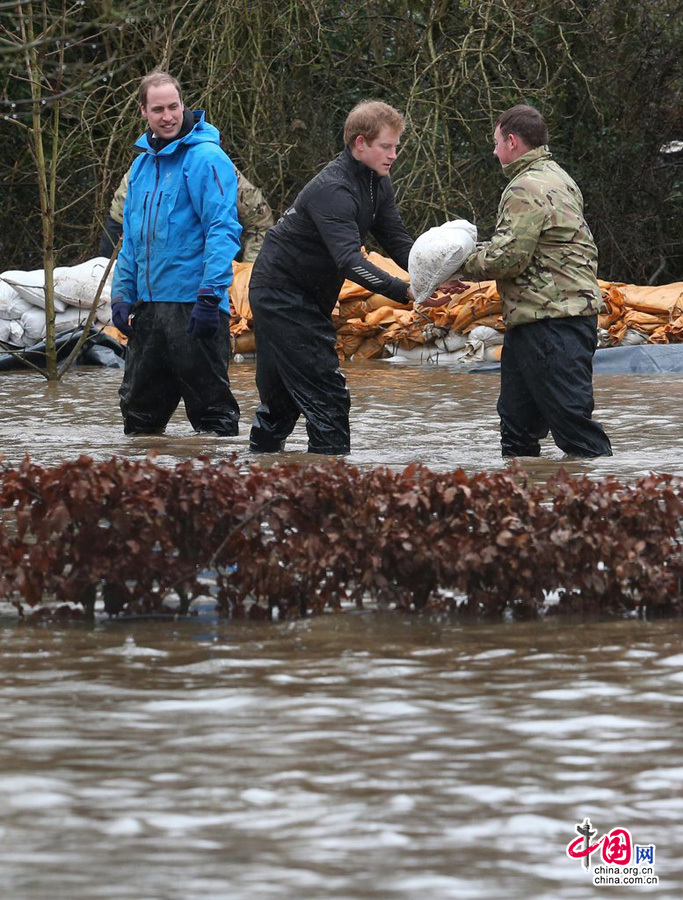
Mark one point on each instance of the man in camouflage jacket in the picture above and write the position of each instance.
(254, 214)
(544, 260)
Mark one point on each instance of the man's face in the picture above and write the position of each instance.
(503, 147)
(163, 110)
(380, 154)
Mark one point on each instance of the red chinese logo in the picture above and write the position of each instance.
(617, 846)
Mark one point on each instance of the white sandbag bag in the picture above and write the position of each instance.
(77, 285)
(103, 314)
(632, 338)
(30, 286)
(12, 305)
(486, 335)
(33, 323)
(11, 332)
(437, 254)
(427, 354)
(431, 357)
(481, 342)
(451, 343)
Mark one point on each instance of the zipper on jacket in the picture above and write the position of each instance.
(142, 220)
(218, 181)
(149, 228)
(372, 195)
(156, 216)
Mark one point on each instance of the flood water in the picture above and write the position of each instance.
(400, 414)
(353, 756)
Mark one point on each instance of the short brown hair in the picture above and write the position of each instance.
(154, 79)
(525, 122)
(368, 118)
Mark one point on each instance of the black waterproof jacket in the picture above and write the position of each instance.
(316, 244)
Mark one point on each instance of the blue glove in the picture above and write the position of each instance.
(205, 317)
(120, 313)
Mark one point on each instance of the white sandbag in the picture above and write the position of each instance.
(11, 332)
(437, 254)
(633, 337)
(12, 305)
(486, 335)
(481, 343)
(103, 314)
(30, 286)
(77, 285)
(427, 354)
(33, 323)
(431, 357)
(451, 343)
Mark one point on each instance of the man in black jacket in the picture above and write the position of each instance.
(296, 280)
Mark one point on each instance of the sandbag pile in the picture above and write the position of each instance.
(370, 326)
(637, 314)
(469, 328)
(22, 301)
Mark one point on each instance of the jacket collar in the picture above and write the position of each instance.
(188, 132)
(512, 169)
(357, 166)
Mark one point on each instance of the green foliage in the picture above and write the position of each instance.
(279, 78)
(328, 536)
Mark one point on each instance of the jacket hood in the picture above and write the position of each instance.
(523, 162)
(202, 133)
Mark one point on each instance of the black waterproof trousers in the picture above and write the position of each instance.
(165, 364)
(297, 372)
(547, 386)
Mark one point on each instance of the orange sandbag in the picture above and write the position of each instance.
(493, 321)
(617, 332)
(371, 348)
(404, 335)
(377, 301)
(476, 289)
(476, 308)
(671, 333)
(244, 342)
(613, 308)
(352, 291)
(642, 321)
(664, 300)
(385, 315)
(239, 289)
(352, 308)
(347, 344)
(358, 326)
(114, 332)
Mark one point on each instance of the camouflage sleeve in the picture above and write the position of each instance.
(255, 216)
(521, 218)
(116, 208)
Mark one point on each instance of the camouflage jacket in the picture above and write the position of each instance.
(253, 212)
(542, 253)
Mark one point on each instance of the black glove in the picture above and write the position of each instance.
(205, 317)
(120, 313)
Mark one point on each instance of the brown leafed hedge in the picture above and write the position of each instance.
(304, 539)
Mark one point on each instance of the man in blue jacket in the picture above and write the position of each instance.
(170, 289)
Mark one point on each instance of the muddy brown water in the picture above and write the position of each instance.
(356, 756)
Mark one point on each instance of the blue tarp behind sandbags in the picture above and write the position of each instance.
(643, 359)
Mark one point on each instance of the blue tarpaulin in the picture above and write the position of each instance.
(639, 359)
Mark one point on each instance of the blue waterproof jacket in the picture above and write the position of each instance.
(180, 226)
